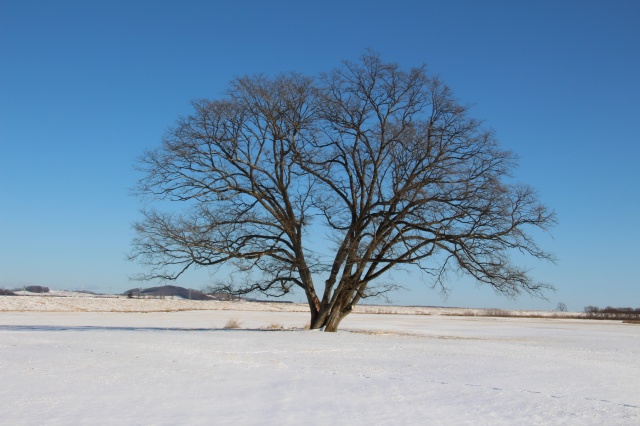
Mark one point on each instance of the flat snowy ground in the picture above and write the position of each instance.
(167, 368)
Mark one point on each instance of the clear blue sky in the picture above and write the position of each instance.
(87, 86)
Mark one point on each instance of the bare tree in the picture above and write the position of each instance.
(232, 165)
(386, 159)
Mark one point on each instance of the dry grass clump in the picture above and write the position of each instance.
(275, 326)
(379, 332)
(497, 313)
(382, 311)
(232, 323)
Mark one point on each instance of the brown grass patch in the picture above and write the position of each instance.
(274, 326)
(232, 323)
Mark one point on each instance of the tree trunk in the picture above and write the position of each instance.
(329, 317)
(315, 310)
(319, 320)
(333, 321)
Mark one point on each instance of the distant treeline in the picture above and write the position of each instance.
(29, 288)
(612, 313)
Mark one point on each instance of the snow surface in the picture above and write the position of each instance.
(167, 368)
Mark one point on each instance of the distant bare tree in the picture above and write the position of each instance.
(561, 307)
(386, 159)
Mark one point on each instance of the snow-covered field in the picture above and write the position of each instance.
(65, 301)
(183, 367)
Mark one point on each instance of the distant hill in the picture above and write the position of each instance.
(176, 291)
(168, 291)
(37, 289)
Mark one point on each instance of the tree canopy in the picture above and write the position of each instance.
(384, 161)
